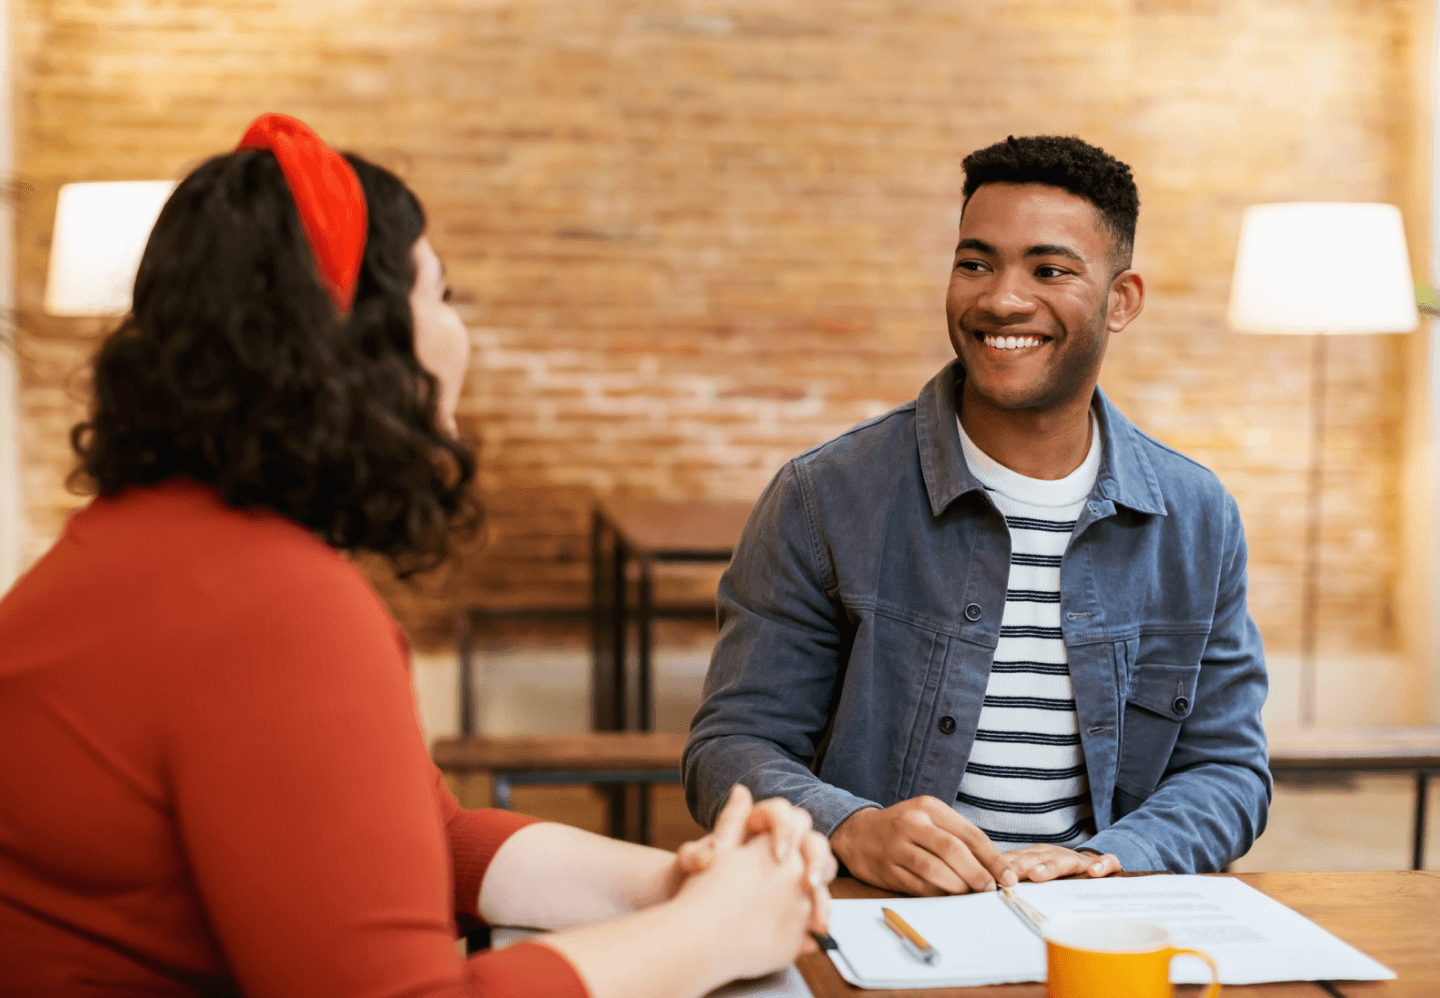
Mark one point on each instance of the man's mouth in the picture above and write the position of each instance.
(1012, 342)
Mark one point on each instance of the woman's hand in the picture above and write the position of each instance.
(746, 914)
(790, 831)
(1040, 863)
(754, 911)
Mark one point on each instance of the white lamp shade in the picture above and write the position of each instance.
(100, 233)
(1322, 268)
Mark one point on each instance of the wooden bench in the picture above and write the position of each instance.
(557, 760)
(1412, 750)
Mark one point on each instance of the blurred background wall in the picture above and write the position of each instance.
(695, 237)
(12, 501)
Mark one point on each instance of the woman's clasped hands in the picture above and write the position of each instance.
(763, 875)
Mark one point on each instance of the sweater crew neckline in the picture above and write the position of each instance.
(1067, 491)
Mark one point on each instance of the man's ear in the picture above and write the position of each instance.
(1127, 299)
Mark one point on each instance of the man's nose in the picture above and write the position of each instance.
(1007, 295)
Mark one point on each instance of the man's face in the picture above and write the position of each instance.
(1029, 305)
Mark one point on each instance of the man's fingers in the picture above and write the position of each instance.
(1050, 867)
(1041, 863)
(1048, 862)
(1022, 861)
(897, 878)
(991, 858)
(1102, 866)
(956, 854)
(729, 830)
(938, 874)
(977, 844)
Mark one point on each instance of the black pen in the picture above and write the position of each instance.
(828, 944)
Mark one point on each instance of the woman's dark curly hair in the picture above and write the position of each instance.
(236, 369)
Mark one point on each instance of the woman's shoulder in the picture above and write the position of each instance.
(180, 543)
(181, 524)
(169, 585)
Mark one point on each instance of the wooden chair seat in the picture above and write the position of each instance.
(555, 760)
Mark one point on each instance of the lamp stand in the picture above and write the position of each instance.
(1310, 585)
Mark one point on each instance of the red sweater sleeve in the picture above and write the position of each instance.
(475, 837)
(310, 821)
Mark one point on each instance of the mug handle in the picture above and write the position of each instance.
(1214, 988)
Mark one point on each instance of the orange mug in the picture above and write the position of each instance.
(1107, 957)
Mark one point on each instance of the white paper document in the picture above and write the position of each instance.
(1252, 937)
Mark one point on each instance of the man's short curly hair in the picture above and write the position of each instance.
(1070, 164)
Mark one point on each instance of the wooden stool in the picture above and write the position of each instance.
(558, 760)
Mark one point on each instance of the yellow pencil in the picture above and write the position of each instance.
(913, 941)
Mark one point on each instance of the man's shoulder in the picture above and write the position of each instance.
(878, 439)
(1185, 483)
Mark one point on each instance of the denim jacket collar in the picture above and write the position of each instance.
(1126, 475)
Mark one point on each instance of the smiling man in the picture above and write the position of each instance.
(1000, 633)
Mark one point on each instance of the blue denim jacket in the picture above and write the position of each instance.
(861, 611)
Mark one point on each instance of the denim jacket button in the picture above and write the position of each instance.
(1181, 705)
(972, 612)
(947, 725)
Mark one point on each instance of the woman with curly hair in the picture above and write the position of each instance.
(214, 780)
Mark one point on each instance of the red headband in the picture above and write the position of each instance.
(327, 194)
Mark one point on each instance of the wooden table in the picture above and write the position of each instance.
(1412, 750)
(642, 533)
(1394, 917)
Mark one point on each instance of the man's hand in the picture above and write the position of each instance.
(1040, 863)
(920, 846)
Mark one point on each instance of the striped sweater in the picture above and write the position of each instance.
(1025, 781)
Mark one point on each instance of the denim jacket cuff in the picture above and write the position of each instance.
(830, 806)
(1133, 852)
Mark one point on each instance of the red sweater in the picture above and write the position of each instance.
(210, 768)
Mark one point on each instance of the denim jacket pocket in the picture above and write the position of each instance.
(901, 691)
(1161, 697)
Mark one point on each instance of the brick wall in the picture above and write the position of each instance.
(693, 238)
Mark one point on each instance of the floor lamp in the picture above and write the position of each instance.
(100, 233)
(1320, 269)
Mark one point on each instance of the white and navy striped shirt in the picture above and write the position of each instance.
(1025, 782)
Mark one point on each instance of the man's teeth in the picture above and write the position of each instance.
(1012, 342)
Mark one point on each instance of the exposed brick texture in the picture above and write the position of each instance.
(694, 238)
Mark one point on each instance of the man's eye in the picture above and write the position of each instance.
(446, 296)
(1048, 272)
(974, 266)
